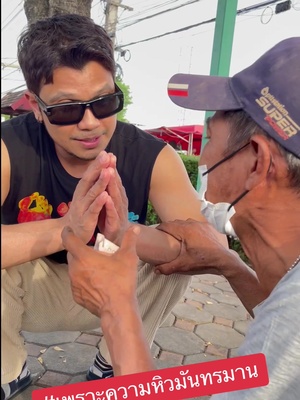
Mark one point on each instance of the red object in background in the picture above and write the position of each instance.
(15, 103)
(22, 104)
(187, 137)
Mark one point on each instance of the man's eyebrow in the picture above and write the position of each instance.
(69, 95)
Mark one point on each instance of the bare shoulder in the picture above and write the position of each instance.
(169, 163)
(171, 191)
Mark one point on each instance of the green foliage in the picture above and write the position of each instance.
(191, 165)
(127, 99)
(235, 245)
(152, 217)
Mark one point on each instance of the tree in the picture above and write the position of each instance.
(127, 99)
(35, 10)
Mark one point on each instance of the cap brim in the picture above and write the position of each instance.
(202, 92)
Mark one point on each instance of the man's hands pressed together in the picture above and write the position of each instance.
(99, 200)
(113, 219)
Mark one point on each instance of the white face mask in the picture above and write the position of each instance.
(218, 214)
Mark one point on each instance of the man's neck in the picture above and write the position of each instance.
(272, 242)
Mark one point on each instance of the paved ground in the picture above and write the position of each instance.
(209, 323)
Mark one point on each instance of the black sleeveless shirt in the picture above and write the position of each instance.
(40, 188)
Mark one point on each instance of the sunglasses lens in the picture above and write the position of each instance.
(73, 113)
(64, 115)
(107, 106)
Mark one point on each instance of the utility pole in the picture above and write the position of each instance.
(223, 40)
(111, 17)
(222, 48)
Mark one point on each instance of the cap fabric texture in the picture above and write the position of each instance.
(268, 90)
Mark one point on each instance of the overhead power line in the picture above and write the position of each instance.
(20, 4)
(11, 20)
(144, 10)
(239, 12)
(170, 33)
(158, 13)
(13, 64)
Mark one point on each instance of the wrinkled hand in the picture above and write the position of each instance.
(89, 198)
(113, 220)
(201, 251)
(102, 282)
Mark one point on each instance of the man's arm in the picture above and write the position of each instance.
(202, 253)
(173, 197)
(31, 240)
(28, 241)
(123, 331)
(105, 284)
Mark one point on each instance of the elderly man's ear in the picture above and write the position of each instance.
(261, 161)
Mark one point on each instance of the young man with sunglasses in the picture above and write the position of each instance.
(71, 163)
(252, 161)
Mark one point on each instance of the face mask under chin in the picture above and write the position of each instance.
(218, 214)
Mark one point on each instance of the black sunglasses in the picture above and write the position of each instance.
(73, 112)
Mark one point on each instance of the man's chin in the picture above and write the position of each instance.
(84, 157)
(89, 157)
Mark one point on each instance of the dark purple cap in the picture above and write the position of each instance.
(268, 90)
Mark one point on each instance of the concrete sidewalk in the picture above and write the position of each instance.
(209, 323)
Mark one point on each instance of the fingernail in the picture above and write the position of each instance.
(102, 155)
(136, 230)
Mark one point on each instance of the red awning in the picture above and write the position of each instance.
(187, 137)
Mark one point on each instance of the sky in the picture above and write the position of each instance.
(149, 65)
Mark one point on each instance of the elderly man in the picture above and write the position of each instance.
(252, 160)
